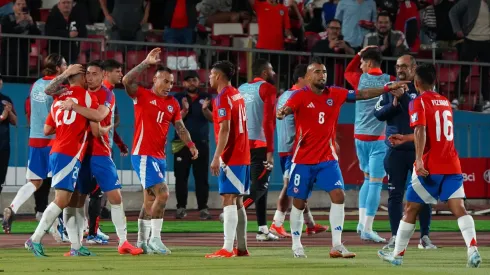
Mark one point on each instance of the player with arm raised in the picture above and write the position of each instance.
(316, 109)
(67, 151)
(437, 171)
(154, 110)
(231, 161)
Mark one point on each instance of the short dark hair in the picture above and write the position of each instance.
(226, 67)
(299, 71)
(161, 68)
(51, 62)
(259, 66)
(334, 20)
(95, 63)
(383, 14)
(315, 60)
(373, 55)
(110, 65)
(426, 73)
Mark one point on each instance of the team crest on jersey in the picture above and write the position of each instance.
(107, 104)
(413, 96)
(221, 112)
(351, 92)
(281, 12)
(414, 117)
(170, 108)
(329, 102)
(201, 101)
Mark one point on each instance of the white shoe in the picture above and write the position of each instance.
(474, 258)
(158, 247)
(102, 235)
(372, 236)
(39, 215)
(263, 237)
(426, 243)
(486, 107)
(455, 104)
(145, 247)
(299, 252)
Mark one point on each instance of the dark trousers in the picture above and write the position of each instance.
(4, 165)
(200, 169)
(260, 184)
(94, 209)
(398, 165)
(470, 51)
(41, 196)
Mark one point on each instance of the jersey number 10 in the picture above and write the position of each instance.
(68, 116)
(447, 127)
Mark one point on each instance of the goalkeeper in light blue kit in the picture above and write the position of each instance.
(369, 137)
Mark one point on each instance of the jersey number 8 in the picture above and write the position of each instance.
(447, 127)
(321, 118)
(68, 116)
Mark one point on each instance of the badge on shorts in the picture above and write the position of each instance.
(330, 102)
(221, 112)
(160, 175)
(414, 117)
(170, 108)
(295, 190)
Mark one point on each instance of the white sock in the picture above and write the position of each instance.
(403, 235)
(144, 230)
(70, 220)
(368, 224)
(264, 229)
(241, 229)
(85, 213)
(337, 217)
(362, 215)
(119, 221)
(310, 222)
(49, 216)
(156, 228)
(279, 218)
(24, 193)
(80, 223)
(230, 222)
(467, 226)
(296, 221)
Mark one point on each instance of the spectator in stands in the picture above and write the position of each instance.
(315, 12)
(196, 114)
(7, 117)
(67, 21)
(274, 24)
(357, 17)
(221, 11)
(390, 42)
(408, 22)
(471, 21)
(329, 9)
(6, 7)
(178, 18)
(296, 8)
(126, 20)
(443, 31)
(15, 51)
(389, 6)
(333, 43)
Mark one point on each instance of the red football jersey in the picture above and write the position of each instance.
(229, 105)
(434, 111)
(316, 121)
(153, 115)
(100, 146)
(71, 128)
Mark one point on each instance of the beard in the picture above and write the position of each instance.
(402, 76)
(319, 86)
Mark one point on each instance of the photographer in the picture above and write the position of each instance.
(15, 51)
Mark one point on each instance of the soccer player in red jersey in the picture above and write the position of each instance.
(437, 170)
(98, 163)
(231, 161)
(154, 110)
(316, 109)
(67, 151)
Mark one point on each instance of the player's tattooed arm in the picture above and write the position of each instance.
(185, 137)
(283, 112)
(392, 87)
(129, 80)
(55, 88)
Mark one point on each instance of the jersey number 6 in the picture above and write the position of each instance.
(68, 116)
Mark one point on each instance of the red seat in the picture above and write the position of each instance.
(94, 56)
(44, 14)
(468, 102)
(242, 63)
(82, 58)
(134, 58)
(473, 84)
(475, 70)
(146, 78)
(447, 77)
(34, 56)
(311, 38)
(450, 55)
(118, 56)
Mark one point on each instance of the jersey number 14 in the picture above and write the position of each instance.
(447, 125)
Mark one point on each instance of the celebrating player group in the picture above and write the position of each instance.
(71, 135)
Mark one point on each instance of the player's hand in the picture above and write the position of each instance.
(419, 168)
(269, 163)
(367, 48)
(67, 104)
(399, 85)
(153, 57)
(185, 104)
(7, 105)
(281, 113)
(396, 139)
(397, 93)
(74, 69)
(215, 167)
(124, 150)
(194, 152)
(205, 104)
(395, 101)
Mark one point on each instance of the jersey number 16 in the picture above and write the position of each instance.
(447, 125)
